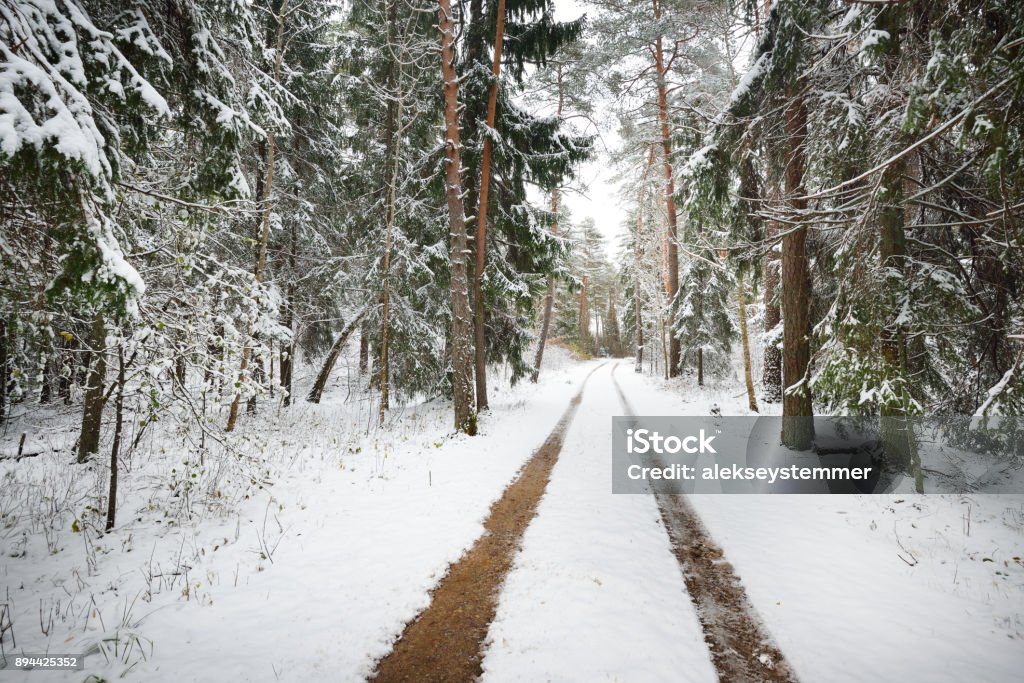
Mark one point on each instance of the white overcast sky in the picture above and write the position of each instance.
(596, 194)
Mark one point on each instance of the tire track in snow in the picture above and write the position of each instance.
(740, 646)
(443, 642)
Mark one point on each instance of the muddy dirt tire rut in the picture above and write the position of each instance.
(740, 646)
(443, 643)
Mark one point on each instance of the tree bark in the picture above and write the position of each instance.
(741, 296)
(771, 373)
(584, 322)
(462, 362)
(479, 333)
(797, 408)
(261, 258)
(92, 410)
(394, 125)
(115, 448)
(287, 358)
(637, 255)
(549, 295)
(3, 367)
(364, 351)
(670, 189)
(332, 357)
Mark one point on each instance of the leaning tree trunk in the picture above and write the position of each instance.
(797, 409)
(332, 357)
(92, 411)
(462, 361)
(479, 333)
(268, 184)
(670, 190)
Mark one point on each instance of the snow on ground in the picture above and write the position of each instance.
(826, 575)
(595, 593)
(302, 555)
(310, 578)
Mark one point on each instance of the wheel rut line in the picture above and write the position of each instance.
(740, 645)
(444, 641)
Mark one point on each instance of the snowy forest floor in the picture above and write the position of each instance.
(303, 549)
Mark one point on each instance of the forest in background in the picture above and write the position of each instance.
(195, 193)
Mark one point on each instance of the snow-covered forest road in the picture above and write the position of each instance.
(316, 577)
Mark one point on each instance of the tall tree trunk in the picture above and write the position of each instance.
(394, 135)
(268, 184)
(664, 349)
(462, 362)
(479, 333)
(549, 295)
(287, 358)
(638, 322)
(364, 351)
(670, 188)
(584, 322)
(741, 295)
(771, 373)
(92, 410)
(3, 367)
(332, 357)
(115, 448)
(700, 316)
(797, 408)
(637, 255)
(897, 432)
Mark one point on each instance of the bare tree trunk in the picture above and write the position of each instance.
(92, 410)
(332, 357)
(664, 348)
(584, 322)
(115, 448)
(479, 332)
(549, 298)
(3, 367)
(670, 188)
(549, 295)
(637, 300)
(700, 316)
(394, 126)
(364, 351)
(797, 408)
(741, 295)
(462, 362)
(637, 255)
(771, 373)
(287, 358)
(65, 372)
(261, 259)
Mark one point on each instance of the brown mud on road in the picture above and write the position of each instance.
(443, 643)
(740, 646)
